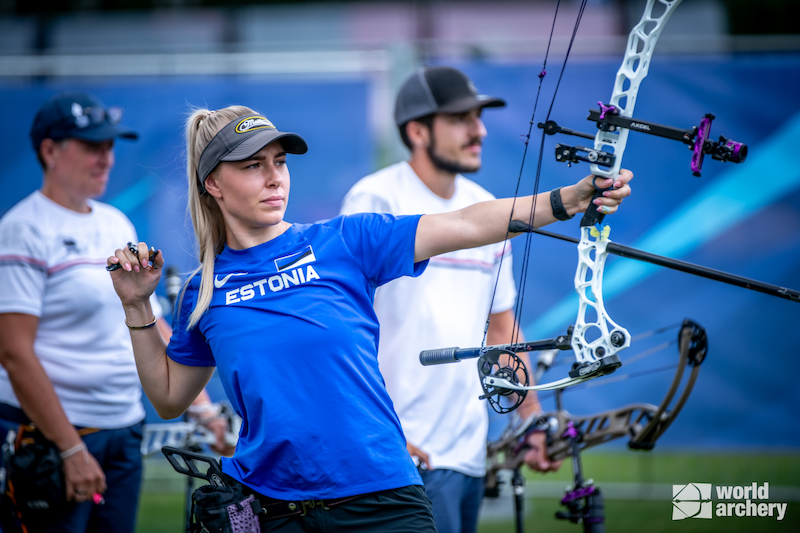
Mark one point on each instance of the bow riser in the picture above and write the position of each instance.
(589, 286)
(589, 274)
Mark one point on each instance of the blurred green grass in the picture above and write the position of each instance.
(663, 466)
(162, 505)
(161, 512)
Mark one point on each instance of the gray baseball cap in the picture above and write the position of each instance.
(242, 138)
(439, 90)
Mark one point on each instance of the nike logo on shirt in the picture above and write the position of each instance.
(218, 283)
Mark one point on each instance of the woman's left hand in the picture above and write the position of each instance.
(609, 202)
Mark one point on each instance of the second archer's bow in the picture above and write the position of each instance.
(641, 423)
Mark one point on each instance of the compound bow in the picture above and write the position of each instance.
(503, 375)
(642, 423)
(596, 342)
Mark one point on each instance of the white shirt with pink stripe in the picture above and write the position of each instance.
(52, 265)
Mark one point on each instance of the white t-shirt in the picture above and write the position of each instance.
(52, 265)
(447, 306)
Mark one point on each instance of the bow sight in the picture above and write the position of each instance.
(608, 119)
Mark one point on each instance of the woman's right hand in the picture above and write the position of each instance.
(137, 279)
(84, 477)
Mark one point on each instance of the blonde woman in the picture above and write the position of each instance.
(284, 312)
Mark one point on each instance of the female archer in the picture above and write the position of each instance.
(284, 312)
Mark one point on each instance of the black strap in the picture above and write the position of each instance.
(558, 207)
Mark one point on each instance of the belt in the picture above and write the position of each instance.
(18, 416)
(274, 509)
(13, 414)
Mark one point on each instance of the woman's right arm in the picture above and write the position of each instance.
(170, 386)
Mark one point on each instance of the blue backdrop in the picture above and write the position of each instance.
(742, 219)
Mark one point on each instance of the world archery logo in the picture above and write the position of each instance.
(694, 501)
(691, 501)
(253, 123)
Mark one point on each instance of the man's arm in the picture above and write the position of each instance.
(39, 401)
(207, 414)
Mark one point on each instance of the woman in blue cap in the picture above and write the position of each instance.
(68, 380)
(284, 312)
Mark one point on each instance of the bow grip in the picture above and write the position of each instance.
(592, 216)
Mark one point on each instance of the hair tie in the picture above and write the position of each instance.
(205, 117)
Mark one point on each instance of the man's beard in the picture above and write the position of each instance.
(447, 165)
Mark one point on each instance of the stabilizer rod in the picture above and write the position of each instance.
(676, 264)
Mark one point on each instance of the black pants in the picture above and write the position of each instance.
(402, 510)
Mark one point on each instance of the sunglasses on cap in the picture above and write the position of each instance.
(83, 117)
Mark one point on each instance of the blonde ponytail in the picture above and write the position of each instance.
(209, 226)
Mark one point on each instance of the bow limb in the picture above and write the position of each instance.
(692, 347)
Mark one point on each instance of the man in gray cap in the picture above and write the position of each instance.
(68, 382)
(438, 112)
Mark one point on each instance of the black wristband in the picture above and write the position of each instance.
(558, 208)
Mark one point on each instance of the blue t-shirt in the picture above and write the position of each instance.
(294, 337)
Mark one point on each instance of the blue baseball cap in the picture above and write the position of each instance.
(79, 116)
